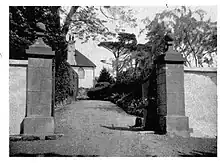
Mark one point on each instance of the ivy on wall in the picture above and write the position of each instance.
(66, 83)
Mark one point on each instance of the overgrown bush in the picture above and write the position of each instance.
(129, 103)
(99, 92)
(128, 82)
(82, 93)
(126, 92)
(66, 83)
(102, 84)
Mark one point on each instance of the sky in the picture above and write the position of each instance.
(95, 53)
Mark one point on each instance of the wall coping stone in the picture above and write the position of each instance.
(200, 69)
(14, 62)
(82, 66)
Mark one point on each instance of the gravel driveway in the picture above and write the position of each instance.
(100, 128)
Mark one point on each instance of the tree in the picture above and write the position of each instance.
(194, 38)
(122, 17)
(82, 21)
(120, 49)
(22, 28)
(105, 76)
(85, 23)
(22, 34)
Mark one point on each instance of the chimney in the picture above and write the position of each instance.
(71, 50)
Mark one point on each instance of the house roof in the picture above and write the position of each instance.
(82, 60)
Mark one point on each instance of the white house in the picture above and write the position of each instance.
(81, 64)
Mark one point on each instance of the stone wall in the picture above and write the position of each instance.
(201, 100)
(17, 94)
(200, 86)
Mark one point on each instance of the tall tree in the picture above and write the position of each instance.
(85, 23)
(82, 21)
(194, 37)
(120, 49)
(23, 20)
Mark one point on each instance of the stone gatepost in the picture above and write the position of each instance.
(170, 94)
(39, 118)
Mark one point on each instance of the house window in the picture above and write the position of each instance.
(81, 73)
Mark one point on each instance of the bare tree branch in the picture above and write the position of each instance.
(106, 15)
(193, 50)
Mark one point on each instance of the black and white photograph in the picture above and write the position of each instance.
(112, 81)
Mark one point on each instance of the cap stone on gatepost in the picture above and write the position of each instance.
(39, 47)
(41, 28)
(170, 54)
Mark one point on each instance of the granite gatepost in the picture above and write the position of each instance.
(170, 94)
(39, 118)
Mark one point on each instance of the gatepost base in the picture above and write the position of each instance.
(38, 126)
(175, 125)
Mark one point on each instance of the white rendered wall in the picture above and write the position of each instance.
(88, 81)
(201, 100)
(17, 94)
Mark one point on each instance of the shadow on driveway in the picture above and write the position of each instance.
(195, 153)
(123, 128)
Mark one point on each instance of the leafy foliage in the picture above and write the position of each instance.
(99, 92)
(66, 83)
(105, 76)
(85, 24)
(125, 41)
(22, 26)
(120, 48)
(127, 93)
(22, 23)
(122, 17)
(82, 93)
(80, 20)
(194, 38)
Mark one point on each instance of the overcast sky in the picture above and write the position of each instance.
(95, 53)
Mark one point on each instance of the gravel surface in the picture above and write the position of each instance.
(100, 128)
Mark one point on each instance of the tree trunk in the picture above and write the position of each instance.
(66, 25)
(116, 66)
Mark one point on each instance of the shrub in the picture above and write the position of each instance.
(134, 106)
(82, 93)
(126, 92)
(105, 76)
(102, 84)
(128, 82)
(99, 92)
(129, 76)
(114, 97)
